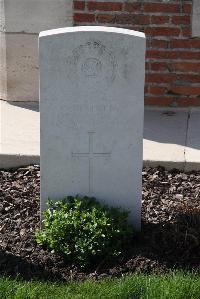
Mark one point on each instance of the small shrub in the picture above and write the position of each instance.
(82, 229)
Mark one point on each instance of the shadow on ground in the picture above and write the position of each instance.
(159, 248)
(16, 266)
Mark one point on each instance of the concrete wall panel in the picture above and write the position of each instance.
(20, 23)
(33, 16)
(22, 67)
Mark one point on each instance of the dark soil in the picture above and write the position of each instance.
(170, 236)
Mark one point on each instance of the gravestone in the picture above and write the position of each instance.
(91, 105)
(196, 18)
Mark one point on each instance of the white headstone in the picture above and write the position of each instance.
(196, 18)
(91, 104)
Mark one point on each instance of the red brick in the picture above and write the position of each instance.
(160, 78)
(156, 43)
(179, 20)
(188, 78)
(188, 101)
(132, 19)
(162, 7)
(187, 32)
(185, 43)
(146, 89)
(189, 55)
(148, 43)
(105, 18)
(157, 90)
(162, 31)
(132, 7)
(156, 54)
(187, 67)
(159, 20)
(160, 66)
(84, 17)
(147, 64)
(105, 6)
(186, 90)
(160, 101)
(187, 8)
(79, 5)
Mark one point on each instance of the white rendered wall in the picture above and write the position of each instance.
(20, 23)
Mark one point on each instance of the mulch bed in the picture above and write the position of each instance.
(170, 235)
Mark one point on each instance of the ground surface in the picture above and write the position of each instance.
(170, 235)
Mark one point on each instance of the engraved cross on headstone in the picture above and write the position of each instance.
(90, 156)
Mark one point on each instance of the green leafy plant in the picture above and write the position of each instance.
(83, 230)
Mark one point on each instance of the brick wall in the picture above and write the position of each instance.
(172, 57)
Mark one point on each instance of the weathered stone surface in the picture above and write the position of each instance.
(91, 104)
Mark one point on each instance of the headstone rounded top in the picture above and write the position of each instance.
(92, 29)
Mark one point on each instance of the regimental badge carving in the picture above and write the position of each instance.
(92, 62)
(92, 67)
